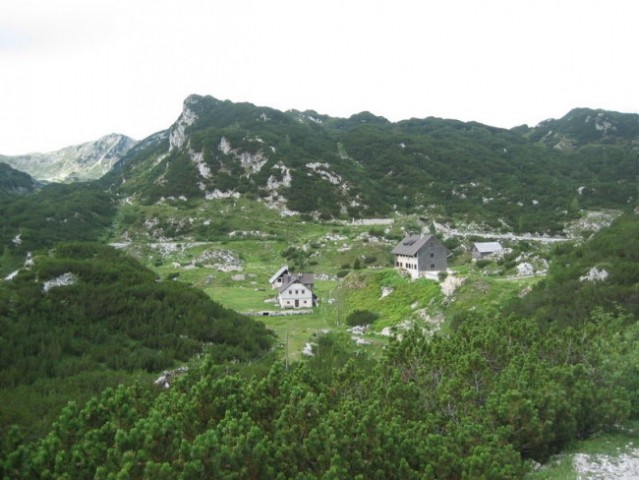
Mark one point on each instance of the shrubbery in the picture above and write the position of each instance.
(361, 317)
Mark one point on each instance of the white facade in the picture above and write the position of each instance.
(295, 295)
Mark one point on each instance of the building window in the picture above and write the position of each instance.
(432, 255)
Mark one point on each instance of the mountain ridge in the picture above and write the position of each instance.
(86, 161)
(525, 179)
(306, 163)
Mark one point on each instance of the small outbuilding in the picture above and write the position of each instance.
(485, 249)
(418, 254)
(278, 277)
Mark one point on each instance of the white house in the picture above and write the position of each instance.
(418, 254)
(296, 291)
(485, 249)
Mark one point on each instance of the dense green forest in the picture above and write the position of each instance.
(56, 213)
(84, 313)
(477, 403)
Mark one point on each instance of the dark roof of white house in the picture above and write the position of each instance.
(411, 244)
(306, 279)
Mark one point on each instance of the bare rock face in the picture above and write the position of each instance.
(594, 275)
(177, 132)
(525, 269)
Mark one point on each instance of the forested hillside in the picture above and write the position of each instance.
(524, 179)
(85, 316)
(14, 182)
(600, 273)
(55, 213)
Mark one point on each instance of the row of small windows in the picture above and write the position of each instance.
(410, 266)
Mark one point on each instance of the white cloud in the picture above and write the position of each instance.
(76, 70)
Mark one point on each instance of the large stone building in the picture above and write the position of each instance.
(418, 254)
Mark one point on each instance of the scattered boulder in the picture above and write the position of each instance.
(450, 284)
(61, 281)
(386, 291)
(594, 275)
(525, 269)
(167, 376)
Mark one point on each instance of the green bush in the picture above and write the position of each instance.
(361, 317)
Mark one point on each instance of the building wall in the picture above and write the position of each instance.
(407, 263)
(477, 255)
(294, 292)
(433, 256)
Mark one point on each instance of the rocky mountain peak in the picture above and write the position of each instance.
(87, 161)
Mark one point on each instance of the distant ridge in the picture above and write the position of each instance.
(87, 161)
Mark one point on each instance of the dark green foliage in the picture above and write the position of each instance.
(57, 213)
(568, 298)
(361, 317)
(14, 182)
(473, 404)
(113, 316)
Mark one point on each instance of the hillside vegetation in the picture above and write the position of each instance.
(600, 273)
(478, 372)
(86, 316)
(522, 180)
(14, 182)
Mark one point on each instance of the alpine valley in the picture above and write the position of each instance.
(140, 336)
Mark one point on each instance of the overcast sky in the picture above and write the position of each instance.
(75, 70)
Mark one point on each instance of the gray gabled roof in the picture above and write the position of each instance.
(280, 272)
(488, 247)
(411, 245)
(306, 279)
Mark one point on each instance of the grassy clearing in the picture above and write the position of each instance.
(487, 294)
(298, 329)
(390, 295)
(260, 241)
